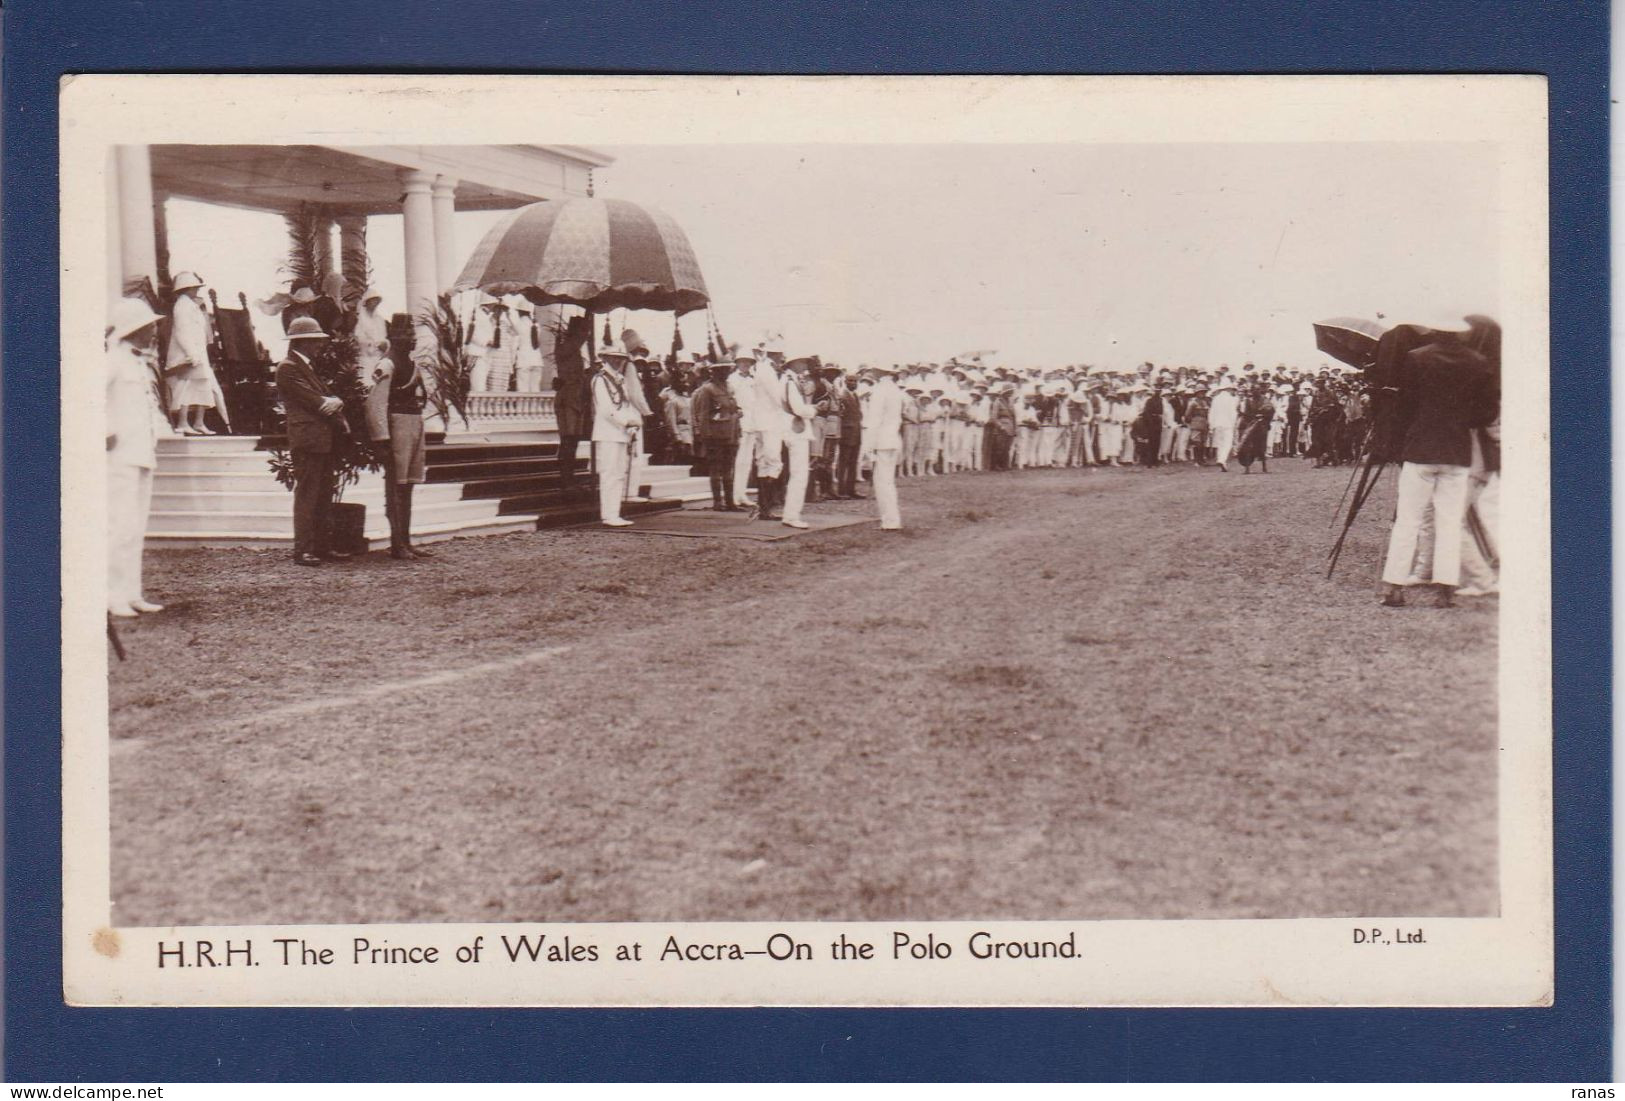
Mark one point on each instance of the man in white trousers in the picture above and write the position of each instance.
(883, 419)
(1222, 414)
(1446, 390)
(131, 452)
(773, 422)
(798, 409)
(615, 420)
(743, 387)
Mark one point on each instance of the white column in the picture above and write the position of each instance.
(115, 234)
(138, 242)
(417, 206)
(445, 233)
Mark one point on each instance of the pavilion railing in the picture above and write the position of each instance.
(490, 407)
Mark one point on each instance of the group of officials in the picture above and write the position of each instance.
(809, 430)
(765, 410)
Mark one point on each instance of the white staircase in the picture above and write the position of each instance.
(218, 491)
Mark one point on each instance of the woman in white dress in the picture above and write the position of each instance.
(192, 385)
(1107, 432)
(1128, 411)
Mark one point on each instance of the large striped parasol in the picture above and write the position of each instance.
(603, 254)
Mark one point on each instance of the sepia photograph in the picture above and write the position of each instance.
(875, 526)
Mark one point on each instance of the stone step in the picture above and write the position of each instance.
(683, 487)
(274, 498)
(446, 453)
(377, 538)
(492, 469)
(206, 445)
(224, 462)
(208, 481)
(522, 485)
(536, 433)
(177, 523)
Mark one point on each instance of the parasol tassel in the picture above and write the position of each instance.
(712, 318)
(609, 337)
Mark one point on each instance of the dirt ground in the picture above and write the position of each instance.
(1057, 694)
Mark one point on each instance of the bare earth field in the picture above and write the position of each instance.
(1058, 694)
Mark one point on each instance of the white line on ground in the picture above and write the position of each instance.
(395, 687)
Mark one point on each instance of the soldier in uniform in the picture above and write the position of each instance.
(716, 433)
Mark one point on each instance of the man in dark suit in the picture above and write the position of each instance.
(315, 418)
(1294, 419)
(850, 410)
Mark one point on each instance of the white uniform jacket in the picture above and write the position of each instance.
(613, 414)
(130, 409)
(883, 418)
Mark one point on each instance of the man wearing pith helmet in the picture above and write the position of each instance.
(615, 421)
(131, 452)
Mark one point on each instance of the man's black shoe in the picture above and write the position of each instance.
(306, 560)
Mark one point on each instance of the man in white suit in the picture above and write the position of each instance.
(743, 387)
(883, 420)
(615, 421)
(773, 422)
(1222, 414)
(798, 412)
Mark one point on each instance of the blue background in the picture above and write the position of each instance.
(1567, 41)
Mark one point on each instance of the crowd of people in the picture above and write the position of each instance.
(808, 431)
(800, 429)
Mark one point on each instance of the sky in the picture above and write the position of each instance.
(1040, 254)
